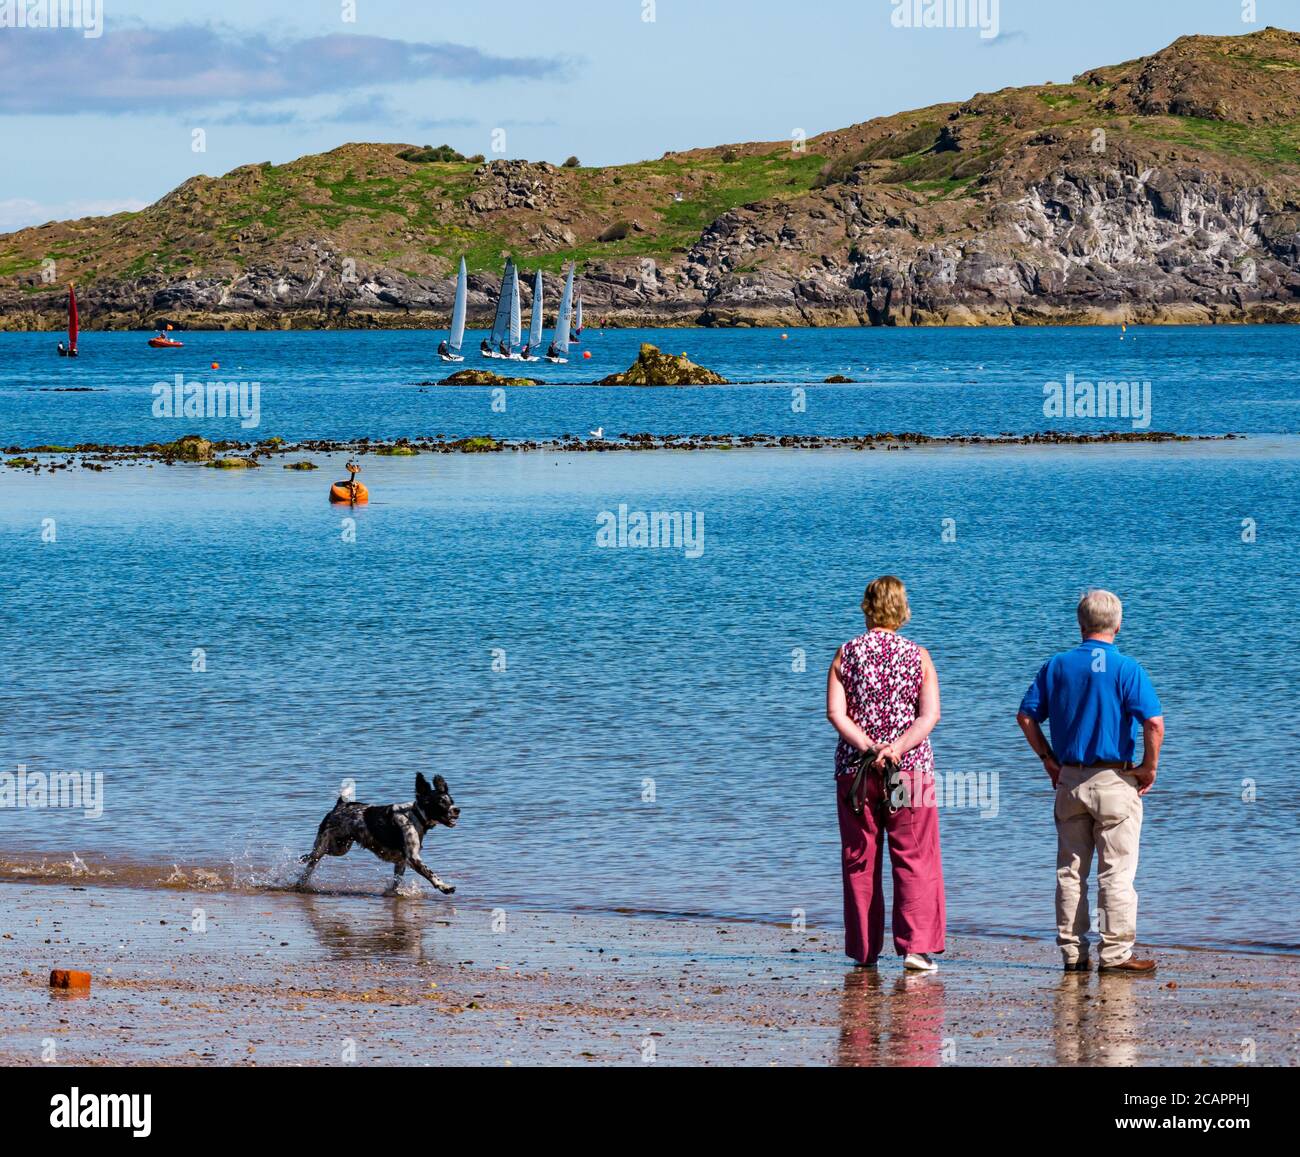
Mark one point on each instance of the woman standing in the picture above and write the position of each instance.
(882, 696)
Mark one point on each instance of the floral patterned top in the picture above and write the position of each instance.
(882, 672)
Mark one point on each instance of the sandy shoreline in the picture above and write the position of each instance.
(280, 978)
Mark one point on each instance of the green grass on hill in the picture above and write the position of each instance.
(1064, 99)
(1275, 144)
(674, 226)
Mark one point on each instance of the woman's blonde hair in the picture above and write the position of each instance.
(885, 603)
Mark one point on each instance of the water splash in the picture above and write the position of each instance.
(72, 869)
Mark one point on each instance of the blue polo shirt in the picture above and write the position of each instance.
(1095, 699)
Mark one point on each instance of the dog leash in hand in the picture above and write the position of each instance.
(896, 794)
(864, 761)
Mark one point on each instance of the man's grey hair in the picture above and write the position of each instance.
(1099, 612)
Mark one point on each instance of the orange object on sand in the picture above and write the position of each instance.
(341, 492)
(69, 978)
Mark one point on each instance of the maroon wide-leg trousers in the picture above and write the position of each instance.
(913, 835)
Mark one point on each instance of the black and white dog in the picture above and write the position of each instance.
(393, 832)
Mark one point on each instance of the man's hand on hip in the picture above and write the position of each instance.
(1146, 778)
(1052, 768)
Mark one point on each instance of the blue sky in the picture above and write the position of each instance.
(96, 124)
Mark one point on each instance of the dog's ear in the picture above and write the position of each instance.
(421, 784)
(440, 784)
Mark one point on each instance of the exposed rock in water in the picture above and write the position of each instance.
(242, 455)
(233, 463)
(190, 448)
(483, 444)
(484, 378)
(653, 368)
(838, 380)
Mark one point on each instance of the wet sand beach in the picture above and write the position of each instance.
(195, 977)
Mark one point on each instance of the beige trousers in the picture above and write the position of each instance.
(1097, 808)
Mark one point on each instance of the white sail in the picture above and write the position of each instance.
(501, 323)
(577, 325)
(458, 313)
(516, 319)
(562, 321)
(535, 328)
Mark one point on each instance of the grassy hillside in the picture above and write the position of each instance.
(367, 202)
(1228, 106)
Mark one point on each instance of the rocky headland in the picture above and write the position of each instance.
(1161, 190)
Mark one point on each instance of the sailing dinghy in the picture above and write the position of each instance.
(529, 353)
(506, 315)
(450, 349)
(516, 318)
(558, 354)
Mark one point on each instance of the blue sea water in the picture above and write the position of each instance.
(656, 740)
(344, 384)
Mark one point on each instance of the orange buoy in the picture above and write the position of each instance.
(216, 365)
(785, 337)
(342, 492)
(586, 353)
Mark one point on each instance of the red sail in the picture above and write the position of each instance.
(72, 317)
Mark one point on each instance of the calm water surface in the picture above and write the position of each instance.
(373, 658)
(938, 381)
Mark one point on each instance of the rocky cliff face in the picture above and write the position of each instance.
(1165, 189)
(1093, 238)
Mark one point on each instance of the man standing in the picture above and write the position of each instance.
(1094, 699)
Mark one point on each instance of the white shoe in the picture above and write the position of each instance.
(919, 962)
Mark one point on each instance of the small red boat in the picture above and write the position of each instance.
(70, 350)
(161, 342)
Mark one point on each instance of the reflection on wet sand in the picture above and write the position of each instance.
(891, 1022)
(393, 926)
(1096, 1024)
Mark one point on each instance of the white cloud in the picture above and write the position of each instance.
(154, 70)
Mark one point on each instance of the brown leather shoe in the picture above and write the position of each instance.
(1132, 965)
